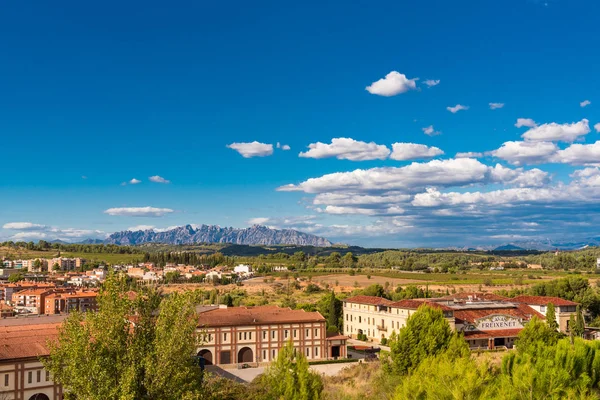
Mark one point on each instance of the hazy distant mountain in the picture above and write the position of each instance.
(255, 235)
(91, 241)
(508, 247)
(548, 244)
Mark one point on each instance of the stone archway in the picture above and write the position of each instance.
(245, 355)
(39, 396)
(207, 355)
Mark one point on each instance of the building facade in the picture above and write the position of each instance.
(237, 335)
(486, 320)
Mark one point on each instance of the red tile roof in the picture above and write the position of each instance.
(543, 301)
(371, 300)
(492, 334)
(26, 341)
(260, 315)
(521, 311)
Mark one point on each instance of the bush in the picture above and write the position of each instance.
(384, 342)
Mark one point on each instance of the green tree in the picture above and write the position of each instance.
(289, 377)
(134, 347)
(536, 331)
(551, 317)
(579, 327)
(349, 260)
(427, 333)
(331, 308)
(16, 277)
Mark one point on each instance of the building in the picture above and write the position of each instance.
(242, 269)
(256, 334)
(30, 300)
(65, 264)
(58, 303)
(22, 342)
(35, 265)
(8, 289)
(486, 320)
(6, 272)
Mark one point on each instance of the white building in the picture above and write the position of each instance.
(243, 270)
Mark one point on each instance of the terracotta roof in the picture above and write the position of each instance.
(544, 300)
(371, 300)
(260, 315)
(25, 341)
(31, 292)
(336, 336)
(413, 304)
(520, 311)
(474, 296)
(492, 334)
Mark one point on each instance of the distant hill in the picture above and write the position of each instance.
(509, 247)
(189, 234)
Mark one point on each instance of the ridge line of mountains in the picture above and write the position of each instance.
(192, 234)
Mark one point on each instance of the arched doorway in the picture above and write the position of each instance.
(39, 396)
(245, 355)
(207, 355)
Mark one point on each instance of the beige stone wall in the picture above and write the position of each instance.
(26, 379)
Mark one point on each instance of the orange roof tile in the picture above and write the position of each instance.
(543, 301)
(26, 341)
(371, 300)
(260, 315)
(492, 334)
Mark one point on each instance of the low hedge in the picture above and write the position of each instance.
(338, 361)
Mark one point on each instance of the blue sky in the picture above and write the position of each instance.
(95, 95)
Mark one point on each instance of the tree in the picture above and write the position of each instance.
(427, 333)
(536, 331)
(349, 260)
(134, 347)
(289, 377)
(56, 267)
(16, 277)
(579, 328)
(331, 308)
(551, 317)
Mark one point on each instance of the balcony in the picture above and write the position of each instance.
(382, 328)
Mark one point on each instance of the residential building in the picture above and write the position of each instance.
(30, 300)
(58, 303)
(64, 264)
(35, 265)
(22, 342)
(134, 272)
(487, 320)
(242, 269)
(256, 334)
(8, 289)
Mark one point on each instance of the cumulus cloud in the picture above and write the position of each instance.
(432, 82)
(429, 131)
(252, 149)
(349, 210)
(597, 127)
(284, 147)
(347, 149)
(412, 151)
(134, 181)
(495, 106)
(158, 179)
(469, 154)
(554, 132)
(520, 153)
(138, 211)
(32, 235)
(394, 83)
(528, 122)
(585, 103)
(258, 221)
(457, 108)
(443, 173)
(579, 154)
(24, 226)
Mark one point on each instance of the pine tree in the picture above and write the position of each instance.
(579, 323)
(551, 317)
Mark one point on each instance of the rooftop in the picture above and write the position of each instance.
(26, 341)
(544, 300)
(371, 300)
(260, 315)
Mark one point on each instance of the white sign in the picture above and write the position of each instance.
(496, 322)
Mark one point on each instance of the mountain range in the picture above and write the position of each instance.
(191, 234)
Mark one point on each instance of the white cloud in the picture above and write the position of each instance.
(585, 103)
(134, 181)
(141, 228)
(138, 211)
(347, 149)
(258, 221)
(252, 149)
(415, 176)
(434, 198)
(411, 151)
(34, 235)
(355, 199)
(24, 226)
(528, 122)
(457, 108)
(519, 153)
(394, 83)
(432, 82)
(429, 131)
(554, 132)
(337, 210)
(469, 154)
(158, 179)
(495, 106)
(284, 147)
(579, 154)
(597, 127)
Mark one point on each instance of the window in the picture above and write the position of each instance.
(307, 332)
(359, 319)
(250, 335)
(272, 334)
(316, 333)
(6, 377)
(29, 377)
(224, 337)
(47, 376)
(210, 337)
(307, 352)
(39, 376)
(285, 334)
(316, 352)
(272, 354)
(542, 308)
(264, 355)
(240, 336)
(294, 333)
(264, 335)
(245, 336)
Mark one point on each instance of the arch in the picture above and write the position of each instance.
(207, 355)
(245, 355)
(39, 396)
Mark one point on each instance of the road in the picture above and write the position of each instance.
(248, 374)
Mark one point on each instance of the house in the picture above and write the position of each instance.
(242, 269)
(486, 320)
(30, 300)
(66, 302)
(212, 275)
(233, 335)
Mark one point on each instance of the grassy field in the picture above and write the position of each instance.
(21, 253)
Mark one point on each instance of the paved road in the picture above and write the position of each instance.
(248, 374)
